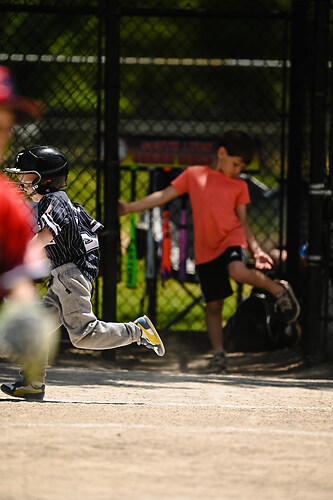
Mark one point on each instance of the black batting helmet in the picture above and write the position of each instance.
(48, 162)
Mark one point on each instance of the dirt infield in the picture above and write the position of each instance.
(143, 434)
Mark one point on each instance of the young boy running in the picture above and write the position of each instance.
(222, 234)
(69, 235)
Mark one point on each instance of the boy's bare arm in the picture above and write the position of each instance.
(152, 200)
(43, 238)
(261, 259)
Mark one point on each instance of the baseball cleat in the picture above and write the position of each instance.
(149, 336)
(217, 364)
(286, 303)
(34, 391)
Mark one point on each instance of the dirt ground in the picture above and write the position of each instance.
(139, 427)
(189, 352)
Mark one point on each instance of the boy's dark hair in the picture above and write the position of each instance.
(238, 143)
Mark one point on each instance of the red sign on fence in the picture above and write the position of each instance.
(169, 152)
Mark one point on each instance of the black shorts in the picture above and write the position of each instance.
(214, 276)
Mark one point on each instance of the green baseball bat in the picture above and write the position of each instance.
(131, 268)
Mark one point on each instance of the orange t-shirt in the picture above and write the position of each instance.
(214, 197)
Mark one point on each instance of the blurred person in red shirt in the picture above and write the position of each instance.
(23, 326)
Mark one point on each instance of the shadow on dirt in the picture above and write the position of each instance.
(185, 360)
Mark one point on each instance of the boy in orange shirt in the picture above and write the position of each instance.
(222, 234)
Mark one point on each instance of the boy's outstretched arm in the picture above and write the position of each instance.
(261, 259)
(152, 200)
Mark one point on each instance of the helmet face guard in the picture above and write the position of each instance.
(34, 185)
(47, 162)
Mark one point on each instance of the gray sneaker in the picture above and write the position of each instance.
(217, 364)
(149, 336)
(286, 303)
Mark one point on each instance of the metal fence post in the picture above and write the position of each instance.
(297, 121)
(314, 341)
(111, 159)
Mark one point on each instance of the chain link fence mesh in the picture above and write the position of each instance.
(54, 57)
(185, 80)
(186, 76)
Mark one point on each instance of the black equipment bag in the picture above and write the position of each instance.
(255, 326)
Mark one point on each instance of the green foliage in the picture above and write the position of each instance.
(144, 88)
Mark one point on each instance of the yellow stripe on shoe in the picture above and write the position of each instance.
(153, 339)
(150, 337)
(19, 390)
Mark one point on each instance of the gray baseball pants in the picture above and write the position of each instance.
(68, 299)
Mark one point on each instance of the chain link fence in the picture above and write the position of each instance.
(189, 71)
(54, 55)
(187, 77)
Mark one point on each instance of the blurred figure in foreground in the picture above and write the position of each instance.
(24, 327)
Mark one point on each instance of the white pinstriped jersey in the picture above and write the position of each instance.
(74, 233)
